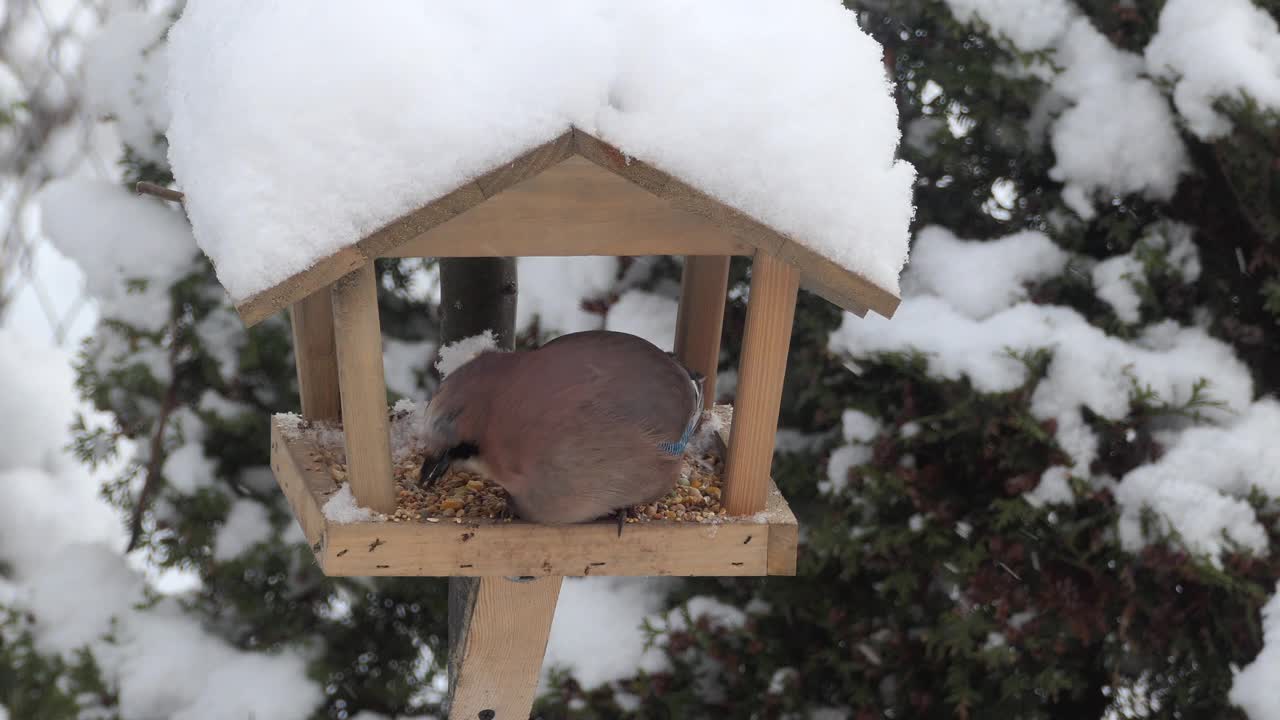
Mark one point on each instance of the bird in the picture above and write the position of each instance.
(587, 424)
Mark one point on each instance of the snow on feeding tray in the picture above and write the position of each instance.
(782, 111)
(463, 493)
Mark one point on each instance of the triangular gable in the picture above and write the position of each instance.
(410, 235)
(574, 207)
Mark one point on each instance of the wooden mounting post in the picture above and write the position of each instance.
(316, 356)
(771, 309)
(501, 625)
(703, 287)
(498, 627)
(363, 387)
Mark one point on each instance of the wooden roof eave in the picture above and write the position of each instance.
(846, 289)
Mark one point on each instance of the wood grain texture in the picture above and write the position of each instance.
(767, 337)
(784, 535)
(476, 294)
(483, 548)
(571, 236)
(302, 481)
(704, 286)
(504, 624)
(316, 356)
(363, 389)
(678, 193)
(479, 548)
(573, 208)
(463, 593)
(262, 305)
(833, 282)
(526, 166)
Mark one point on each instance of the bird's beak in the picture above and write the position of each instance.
(434, 467)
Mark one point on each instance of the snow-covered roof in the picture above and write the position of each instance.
(309, 137)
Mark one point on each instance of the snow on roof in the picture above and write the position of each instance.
(300, 127)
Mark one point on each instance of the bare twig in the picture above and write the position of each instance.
(148, 188)
(151, 483)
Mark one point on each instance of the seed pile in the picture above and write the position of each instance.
(462, 493)
(459, 493)
(695, 498)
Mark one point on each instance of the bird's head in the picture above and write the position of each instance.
(441, 444)
(455, 417)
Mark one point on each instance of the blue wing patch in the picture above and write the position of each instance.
(677, 448)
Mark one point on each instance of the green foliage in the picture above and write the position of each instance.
(927, 587)
(46, 686)
(9, 112)
(137, 169)
(1271, 295)
(1234, 203)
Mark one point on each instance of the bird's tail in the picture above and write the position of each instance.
(707, 443)
(698, 378)
(695, 415)
(699, 386)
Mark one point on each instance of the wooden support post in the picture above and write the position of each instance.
(363, 389)
(771, 309)
(703, 287)
(502, 626)
(498, 627)
(316, 356)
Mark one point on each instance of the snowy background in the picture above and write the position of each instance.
(86, 261)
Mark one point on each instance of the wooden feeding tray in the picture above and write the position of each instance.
(443, 545)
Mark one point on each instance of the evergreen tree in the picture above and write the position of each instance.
(958, 558)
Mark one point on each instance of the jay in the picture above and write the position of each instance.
(589, 423)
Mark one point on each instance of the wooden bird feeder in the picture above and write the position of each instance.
(575, 195)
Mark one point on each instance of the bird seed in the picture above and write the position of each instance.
(464, 493)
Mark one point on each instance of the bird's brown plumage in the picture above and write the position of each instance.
(573, 429)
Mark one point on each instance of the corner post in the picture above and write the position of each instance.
(771, 310)
(704, 284)
(363, 389)
(316, 356)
